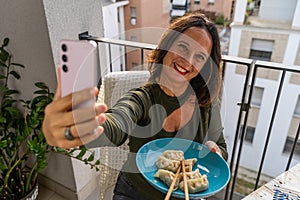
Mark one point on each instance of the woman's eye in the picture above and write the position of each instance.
(200, 58)
(183, 48)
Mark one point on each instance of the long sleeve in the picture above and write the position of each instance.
(123, 117)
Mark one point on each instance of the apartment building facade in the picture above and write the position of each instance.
(132, 20)
(273, 34)
(217, 6)
(220, 8)
(145, 22)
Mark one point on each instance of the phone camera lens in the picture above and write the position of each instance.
(64, 47)
(64, 58)
(65, 68)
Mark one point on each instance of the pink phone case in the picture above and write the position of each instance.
(79, 66)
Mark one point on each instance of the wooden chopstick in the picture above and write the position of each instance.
(173, 184)
(186, 190)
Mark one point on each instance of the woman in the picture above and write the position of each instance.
(180, 100)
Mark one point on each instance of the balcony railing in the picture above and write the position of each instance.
(249, 73)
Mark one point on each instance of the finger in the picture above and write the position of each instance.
(71, 118)
(90, 137)
(67, 144)
(83, 114)
(100, 108)
(213, 149)
(82, 96)
(96, 92)
(84, 128)
(58, 86)
(101, 118)
(66, 103)
(212, 146)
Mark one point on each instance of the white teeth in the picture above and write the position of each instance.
(180, 69)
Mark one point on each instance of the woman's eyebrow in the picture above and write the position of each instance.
(182, 41)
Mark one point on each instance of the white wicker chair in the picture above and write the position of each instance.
(114, 85)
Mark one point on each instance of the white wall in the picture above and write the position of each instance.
(114, 29)
(25, 24)
(65, 20)
(277, 10)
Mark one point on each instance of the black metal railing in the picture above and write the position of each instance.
(250, 77)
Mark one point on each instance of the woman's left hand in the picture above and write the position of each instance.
(213, 147)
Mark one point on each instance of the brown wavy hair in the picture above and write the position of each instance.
(207, 83)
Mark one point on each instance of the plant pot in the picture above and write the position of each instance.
(33, 194)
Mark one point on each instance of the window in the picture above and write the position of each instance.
(297, 108)
(257, 96)
(133, 15)
(196, 1)
(249, 135)
(179, 5)
(179, 2)
(261, 49)
(211, 2)
(289, 144)
(134, 65)
(133, 38)
(177, 13)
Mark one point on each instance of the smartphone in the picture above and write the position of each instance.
(79, 66)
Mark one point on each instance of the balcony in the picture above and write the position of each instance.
(250, 74)
(260, 144)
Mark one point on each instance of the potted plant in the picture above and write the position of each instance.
(23, 147)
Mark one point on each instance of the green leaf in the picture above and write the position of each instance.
(3, 64)
(18, 64)
(2, 167)
(51, 96)
(4, 55)
(81, 153)
(3, 143)
(41, 92)
(41, 85)
(5, 41)
(2, 119)
(13, 111)
(15, 74)
(9, 92)
(2, 76)
(91, 157)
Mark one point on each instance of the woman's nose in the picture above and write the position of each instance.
(190, 59)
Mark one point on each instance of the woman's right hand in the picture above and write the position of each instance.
(84, 123)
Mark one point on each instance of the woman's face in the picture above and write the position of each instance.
(187, 55)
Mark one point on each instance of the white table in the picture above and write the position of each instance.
(288, 184)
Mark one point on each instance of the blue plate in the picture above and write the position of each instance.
(211, 164)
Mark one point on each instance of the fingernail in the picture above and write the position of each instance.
(101, 119)
(97, 130)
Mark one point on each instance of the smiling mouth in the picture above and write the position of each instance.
(180, 69)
